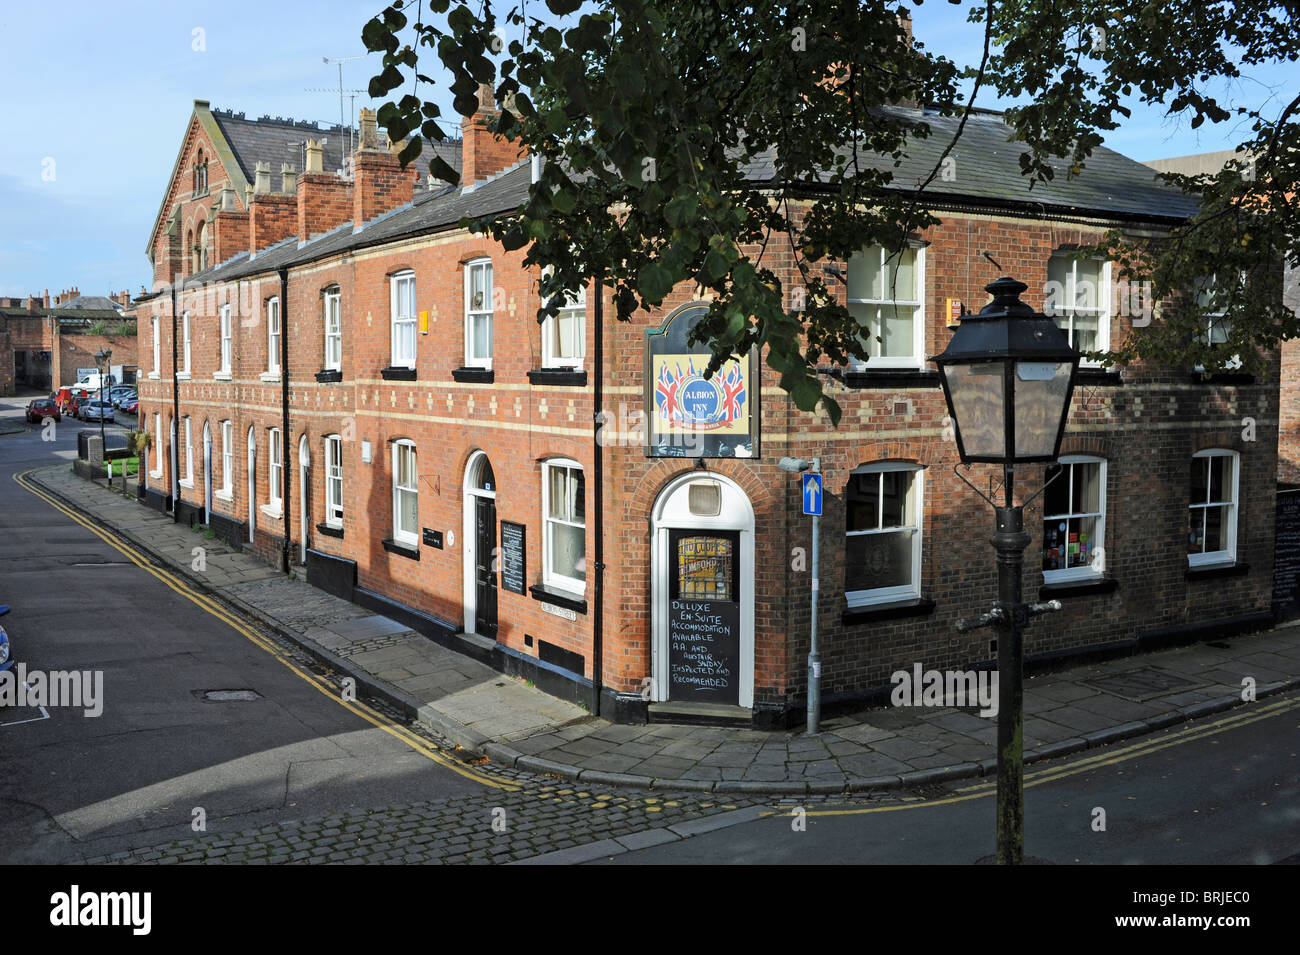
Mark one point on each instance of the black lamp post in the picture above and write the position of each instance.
(101, 362)
(1008, 374)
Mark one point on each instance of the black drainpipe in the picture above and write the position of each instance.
(285, 439)
(598, 629)
(174, 455)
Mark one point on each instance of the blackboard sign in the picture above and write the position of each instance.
(704, 651)
(433, 538)
(514, 560)
(1286, 556)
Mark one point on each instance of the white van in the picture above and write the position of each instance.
(91, 382)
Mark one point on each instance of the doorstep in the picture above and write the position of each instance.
(703, 714)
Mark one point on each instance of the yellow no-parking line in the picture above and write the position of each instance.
(1259, 711)
(180, 586)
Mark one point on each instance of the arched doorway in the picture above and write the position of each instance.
(304, 505)
(479, 538)
(702, 592)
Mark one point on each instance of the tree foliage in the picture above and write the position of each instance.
(719, 143)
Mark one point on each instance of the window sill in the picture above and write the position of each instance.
(409, 551)
(223, 496)
(888, 377)
(273, 511)
(329, 374)
(395, 373)
(1222, 378)
(567, 601)
(482, 376)
(156, 474)
(182, 376)
(871, 613)
(573, 377)
(1098, 377)
(1215, 571)
(329, 530)
(153, 376)
(221, 376)
(187, 484)
(270, 376)
(1082, 587)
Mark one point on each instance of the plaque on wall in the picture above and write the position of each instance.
(514, 559)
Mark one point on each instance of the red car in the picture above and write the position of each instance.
(39, 408)
(131, 407)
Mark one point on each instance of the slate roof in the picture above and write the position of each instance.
(274, 140)
(986, 169)
(89, 301)
(429, 212)
(987, 173)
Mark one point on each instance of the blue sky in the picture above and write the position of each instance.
(96, 98)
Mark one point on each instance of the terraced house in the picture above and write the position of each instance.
(343, 379)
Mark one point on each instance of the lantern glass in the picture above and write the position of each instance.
(1041, 390)
(978, 408)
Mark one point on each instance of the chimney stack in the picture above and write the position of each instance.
(484, 153)
(380, 184)
(324, 200)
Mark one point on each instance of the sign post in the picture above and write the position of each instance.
(812, 506)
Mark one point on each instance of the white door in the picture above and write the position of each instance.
(702, 592)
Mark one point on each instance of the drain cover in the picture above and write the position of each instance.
(229, 696)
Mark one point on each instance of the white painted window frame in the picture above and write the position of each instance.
(550, 577)
(917, 358)
(1084, 573)
(473, 360)
(1233, 505)
(333, 480)
(333, 330)
(409, 538)
(856, 599)
(403, 319)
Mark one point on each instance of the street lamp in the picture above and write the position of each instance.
(1008, 375)
(101, 362)
(797, 466)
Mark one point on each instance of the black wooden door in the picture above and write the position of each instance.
(485, 578)
(704, 616)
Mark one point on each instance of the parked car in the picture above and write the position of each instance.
(131, 406)
(121, 395)
(75, 401)
(39, 408)
(6, 655)
(95, 410)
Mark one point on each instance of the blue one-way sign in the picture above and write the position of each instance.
(812, 494)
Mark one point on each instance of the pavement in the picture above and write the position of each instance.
(522, 728)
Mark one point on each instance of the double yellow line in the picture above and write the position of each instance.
(180, 586)
(1108, 757)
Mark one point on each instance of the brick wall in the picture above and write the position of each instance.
(1147, 429)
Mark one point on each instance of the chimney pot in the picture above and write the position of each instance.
(262, 178)
(369, 136)
(315, 156)
(227, 199)
(288, 178)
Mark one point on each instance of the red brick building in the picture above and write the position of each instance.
(350, 381)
